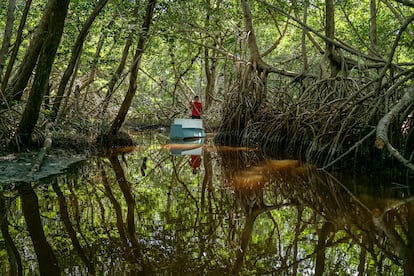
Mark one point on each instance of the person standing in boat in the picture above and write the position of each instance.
(196, 108)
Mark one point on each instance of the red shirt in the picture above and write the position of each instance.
(196, 108)
(195, 161)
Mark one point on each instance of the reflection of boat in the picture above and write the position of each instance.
(187, 128)
(187, 147)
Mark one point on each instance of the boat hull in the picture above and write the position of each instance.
(187, 129)
(187, 147)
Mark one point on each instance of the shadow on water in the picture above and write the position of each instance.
(196, 209)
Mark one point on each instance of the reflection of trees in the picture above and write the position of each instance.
(178, 165)
(207, 185)
(48, 264)
(126, 190)
(328, 216)
(241, 215)
(117, 207)
(339, 211)
(128, 237)
(244, 240)
(65, 216)
(12, 253)
(206, 208)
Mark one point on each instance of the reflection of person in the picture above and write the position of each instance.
(196, 108)
(195, 162)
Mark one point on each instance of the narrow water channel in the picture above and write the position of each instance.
(201, 209)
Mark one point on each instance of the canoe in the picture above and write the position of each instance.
(187, 129)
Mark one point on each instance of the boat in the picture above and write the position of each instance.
(183, 129)
(187, 147)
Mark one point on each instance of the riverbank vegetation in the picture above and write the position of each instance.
(327, 81)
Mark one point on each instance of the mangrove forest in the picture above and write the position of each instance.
(298, 96)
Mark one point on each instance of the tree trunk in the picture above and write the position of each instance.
(260, 67)
(22, 76)
(64, 106)
(7, 34)
(252, 44)
(119, 69)
(16, 46)
(209, 67)
(76, 50)
(117, 74)
(56, 12)
(334, 60)
(373, 27)
(304, 34)
(92, 72)
(120, 118)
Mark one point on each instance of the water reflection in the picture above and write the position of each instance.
(240, 214)
(190, 147)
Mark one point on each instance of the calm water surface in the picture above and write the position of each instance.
(200, 209)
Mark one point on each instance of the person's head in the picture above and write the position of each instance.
(196, 98)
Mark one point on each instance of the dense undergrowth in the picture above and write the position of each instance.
(331, 123)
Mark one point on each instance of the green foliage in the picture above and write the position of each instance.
(173, 67)
(181, 22)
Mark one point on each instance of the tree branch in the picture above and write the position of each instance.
(383, 124)
(406, 2)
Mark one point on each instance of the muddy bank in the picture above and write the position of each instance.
(18, 167)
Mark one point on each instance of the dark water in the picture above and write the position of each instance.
(189, 210)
